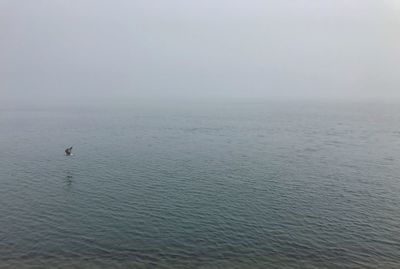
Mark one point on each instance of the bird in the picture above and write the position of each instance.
(68, 151)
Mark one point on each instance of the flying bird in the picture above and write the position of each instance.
(68, 151)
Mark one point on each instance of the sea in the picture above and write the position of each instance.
(202, 185)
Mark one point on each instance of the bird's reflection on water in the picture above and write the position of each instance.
(68, 178)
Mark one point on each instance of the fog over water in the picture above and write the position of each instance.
(88, 52)
(206, 134)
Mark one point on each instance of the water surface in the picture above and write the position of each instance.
(234, 185)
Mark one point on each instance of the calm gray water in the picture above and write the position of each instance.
(201, 186)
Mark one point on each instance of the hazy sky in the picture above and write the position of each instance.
(124, 50)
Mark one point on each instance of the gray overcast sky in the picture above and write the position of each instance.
(122, 50)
